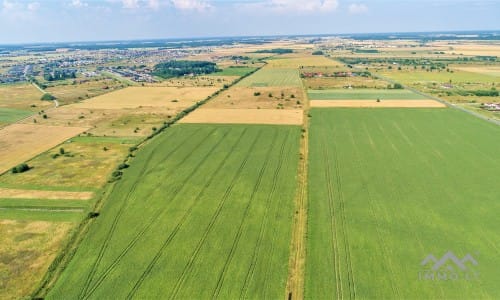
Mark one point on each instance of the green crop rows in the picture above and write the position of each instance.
(203, 211)
(388, 187)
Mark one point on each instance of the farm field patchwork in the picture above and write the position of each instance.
(267, 76)
(209, 207)
(318, 83)
(422, 76)
(20, 142)
(387, 188)
(258, 97)
(82, 89)
(363, 94)
(71, 170)
(302, 61)
(210, 80)
(136, 97)
(245, 116)
(107, 122)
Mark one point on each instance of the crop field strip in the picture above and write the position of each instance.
(268, 77)
(203, 199)
(363, 94)
(392, 166)
(376, 104)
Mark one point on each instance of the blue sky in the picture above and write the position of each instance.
(24, 21)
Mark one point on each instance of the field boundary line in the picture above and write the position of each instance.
(296, 273)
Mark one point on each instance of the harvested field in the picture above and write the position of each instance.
(487, 70)
(82, 89)
(107, 122)
(375, 104)
(38, 194)
(212, 80)
(136, 97)
(20, 142)
(26, 250)
(258, 97)
(245, 116)
(21, 96)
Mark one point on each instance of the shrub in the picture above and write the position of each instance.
(47, 97)
(256, 94)
(122, 166)
(20, 168)
(93, 214)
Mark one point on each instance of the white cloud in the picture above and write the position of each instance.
(286, 6)
(199, 5)
(78, 3)
(154, 4)
(7, 5)
(358, 8)
(130, 3)
(33, 6)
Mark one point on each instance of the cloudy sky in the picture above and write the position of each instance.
(25, 21)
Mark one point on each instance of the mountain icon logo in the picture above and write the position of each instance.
(449, 256)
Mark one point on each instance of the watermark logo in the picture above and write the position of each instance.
(448, 268)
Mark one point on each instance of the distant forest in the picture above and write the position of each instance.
(176, 68)
(276, 51)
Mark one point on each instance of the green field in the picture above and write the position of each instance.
(272, 77)
(388, 187)
(234, 71)
(10, 115)
(416, 76)
(363, 94)
(203, 211)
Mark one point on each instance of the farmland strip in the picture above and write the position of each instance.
(251, 270)
(234, 246)
(118, 216)
(152, 222)
(214, 218)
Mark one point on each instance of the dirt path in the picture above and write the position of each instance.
(296, 272)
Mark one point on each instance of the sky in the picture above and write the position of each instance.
(33, 21)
